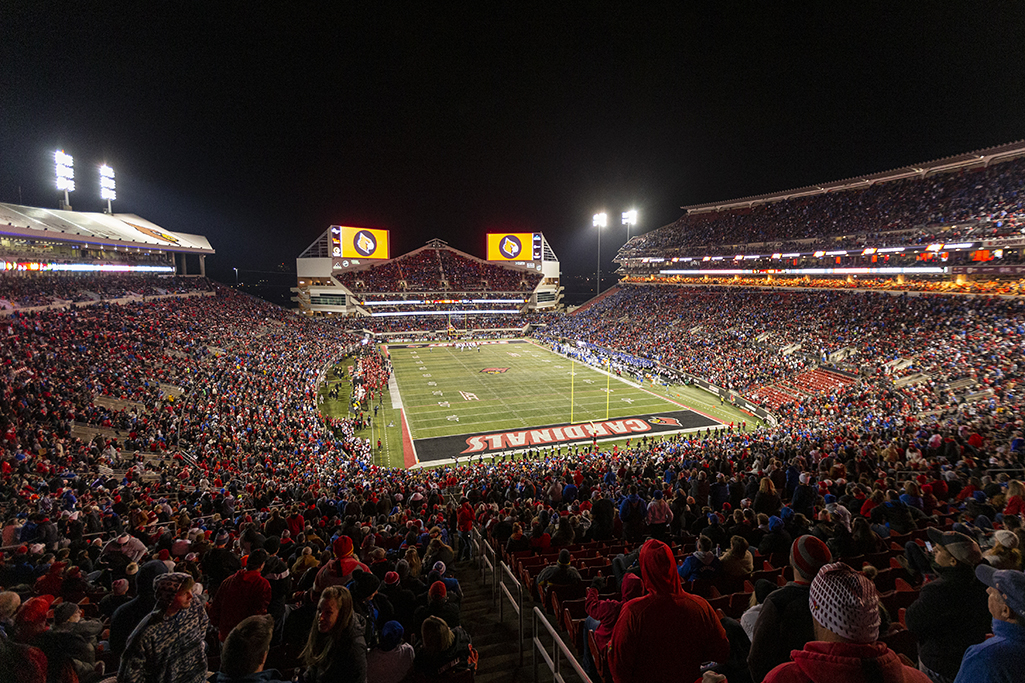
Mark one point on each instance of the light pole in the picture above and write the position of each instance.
(107, 185)
(65, 175)
(599, 221)
(236, 278)
(629, 219)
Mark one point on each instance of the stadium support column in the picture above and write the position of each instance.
(202, 265)
(185, 264)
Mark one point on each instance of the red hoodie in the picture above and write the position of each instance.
(667, 634)
(822, 662)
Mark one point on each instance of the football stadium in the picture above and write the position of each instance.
(582, 348)
(757, 410)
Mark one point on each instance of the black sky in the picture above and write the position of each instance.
(260, 126)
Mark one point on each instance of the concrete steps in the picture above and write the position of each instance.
(496, 640)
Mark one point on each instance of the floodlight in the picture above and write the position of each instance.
(65, 171)
(600, 220)
(107, 184)
(630, 217)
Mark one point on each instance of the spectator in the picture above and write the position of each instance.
(603, 614)
(562, 573)
(776, 540)
(338, 571)
(763, 587)
(1004, 554)
(1001, 659)
(784, 623)
(659, 516)
(667, 630)
(443, 649)
(951, 613)
(245, 650)
(845, 645)
(244, 594)
(738, 560)
(127, 617)
(9, 604)
(702, 563)
(392, 660)
(437, 605)
(336, 648)
(168, 647)
(219, 562)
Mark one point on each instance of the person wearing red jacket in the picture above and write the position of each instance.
(667, 634)
(338, 571)
(243, 594)
(845, 612)
(464, 523)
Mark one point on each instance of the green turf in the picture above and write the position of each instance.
(436, 384)
(535, 390)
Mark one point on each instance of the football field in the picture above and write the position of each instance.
(513, 395)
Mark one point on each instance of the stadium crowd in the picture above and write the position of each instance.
(204, 515)
(438, 269)
(940, 286)
(26, 290)
(992, 194)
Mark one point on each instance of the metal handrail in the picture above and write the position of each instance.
(553, 661)
(517, 603)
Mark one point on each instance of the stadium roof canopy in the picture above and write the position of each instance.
(982, 157)
(96, 229)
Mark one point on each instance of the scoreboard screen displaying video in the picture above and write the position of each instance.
(514, 246)
(357, 243)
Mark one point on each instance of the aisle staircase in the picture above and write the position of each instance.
(496, 638)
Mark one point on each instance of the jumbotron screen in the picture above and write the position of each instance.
(514, 246)
(357, 243)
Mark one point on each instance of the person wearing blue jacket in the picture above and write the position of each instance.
(1001, 659)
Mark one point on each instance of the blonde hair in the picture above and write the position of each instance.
(436, 635)
(318, 645)
(766, 486)
(413, 558)
(1015, 488)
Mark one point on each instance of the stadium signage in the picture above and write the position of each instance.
(356, 243)
(568, 433)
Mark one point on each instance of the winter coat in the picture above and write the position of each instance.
(667, 634)
(821, 662)
(950, 615)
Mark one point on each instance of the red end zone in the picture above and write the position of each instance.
(408, 454)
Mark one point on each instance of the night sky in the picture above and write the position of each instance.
(260, 127)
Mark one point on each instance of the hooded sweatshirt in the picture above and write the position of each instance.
(821, 662)
(701, 564)
(607, 611)
(128, 615)
(667, 634)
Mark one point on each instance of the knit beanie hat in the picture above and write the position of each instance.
(391, 635)
(808, 554)
(775, 523)
(391, 578)
(34, 610)
(564, 556)
(63, 612)
(845, 602)
(439, 567)
(1006, 538)
(342, 547)
(437, 591)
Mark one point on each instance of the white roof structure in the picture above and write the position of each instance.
(96, 229)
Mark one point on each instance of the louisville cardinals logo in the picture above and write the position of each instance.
(364, 243)
(510, 246)
(157, 234)
(671, 421)
(494, 371)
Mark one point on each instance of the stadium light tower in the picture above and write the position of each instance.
(629, 219)
(65, 175)
(107, 185)
(599, 221)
